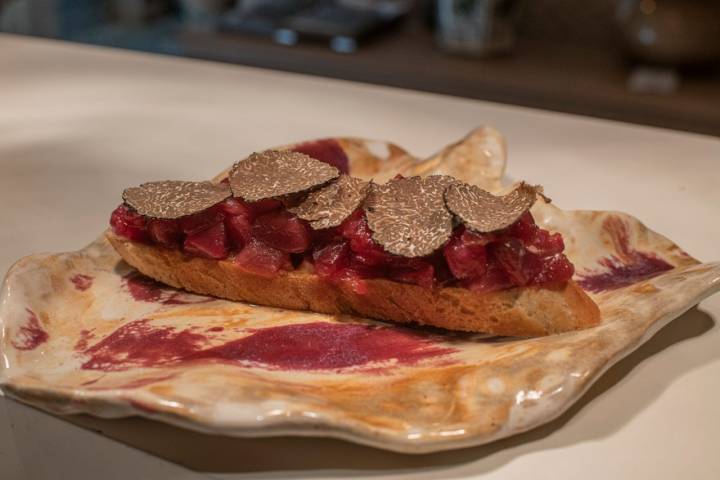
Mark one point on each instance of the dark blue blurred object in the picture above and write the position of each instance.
(263, 18)
(96, 22)
(343, 24)
(79, 15)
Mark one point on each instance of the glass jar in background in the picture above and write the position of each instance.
(137, 12)
(476, 27)
(670, 32)
(203, 14)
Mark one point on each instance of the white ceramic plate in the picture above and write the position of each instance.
(82, 332)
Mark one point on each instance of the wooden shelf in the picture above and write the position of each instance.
(566, 78)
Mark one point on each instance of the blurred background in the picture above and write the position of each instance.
(654, 62)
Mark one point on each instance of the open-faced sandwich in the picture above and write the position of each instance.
(287, 230)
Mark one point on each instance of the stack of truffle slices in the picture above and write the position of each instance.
(287, 230)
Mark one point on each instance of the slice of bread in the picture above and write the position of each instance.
(528, 311)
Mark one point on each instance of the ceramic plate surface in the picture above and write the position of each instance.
(83, 332)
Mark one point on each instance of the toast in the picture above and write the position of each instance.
(521, 311)
(293, 229)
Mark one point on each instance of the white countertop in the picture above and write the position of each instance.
(78, 124)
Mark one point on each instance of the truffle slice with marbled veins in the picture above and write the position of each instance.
(275, 173)
(171, 199)
(408, 216)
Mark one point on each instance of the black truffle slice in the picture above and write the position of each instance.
(275, 173)
(333, 203)
(408, 217)
(484, 212)
(174, 199)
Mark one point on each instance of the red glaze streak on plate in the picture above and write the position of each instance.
(141, 344)
(142, 288)
(326, 346)
(306, 346)
(145, 289)
(30, 335)
(627, 267)
(82, 342)
(82, 282)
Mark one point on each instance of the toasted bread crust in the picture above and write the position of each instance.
(529, 311)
